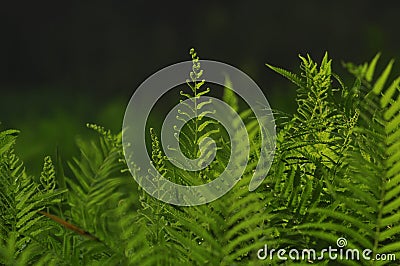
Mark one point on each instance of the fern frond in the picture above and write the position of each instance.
(229, 96)
(366, 186)
(98, 184)
(21, 197)
(7, 140)
(289, 75)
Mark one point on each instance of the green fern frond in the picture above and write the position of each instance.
(20, 200)
(12, 255)
(97, 186)
(229, 96)
(366, 186)
(364, 72)
(7, 140)
(289, 75)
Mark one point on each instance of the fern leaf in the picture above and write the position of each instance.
(369, 73)
(229, 96)
(7, 139)
(365, 186)
(289, 75)
(380, 83)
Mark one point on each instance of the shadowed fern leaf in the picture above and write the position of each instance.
(21, 197)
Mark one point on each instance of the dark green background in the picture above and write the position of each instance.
(65, 63)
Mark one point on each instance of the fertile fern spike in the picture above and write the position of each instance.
(166, 224)
(196, 87)
(196, 128)
(47, 178)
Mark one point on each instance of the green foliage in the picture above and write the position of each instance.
(336, 173)
(7, 139)
(21, 197)
(366, 184)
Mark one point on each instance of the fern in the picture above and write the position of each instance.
(365, 188)
(310, 143)
(21, 197)
(7, 140)
(335, 174)
(197, 129)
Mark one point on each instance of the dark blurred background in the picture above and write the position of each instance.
(66, 63)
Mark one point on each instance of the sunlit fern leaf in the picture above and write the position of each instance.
(366, 187)
(364, 72)
(317, 119)
(310, 148)
(197, 127)
(312, 134)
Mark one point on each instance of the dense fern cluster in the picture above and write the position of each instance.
(336, 174)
